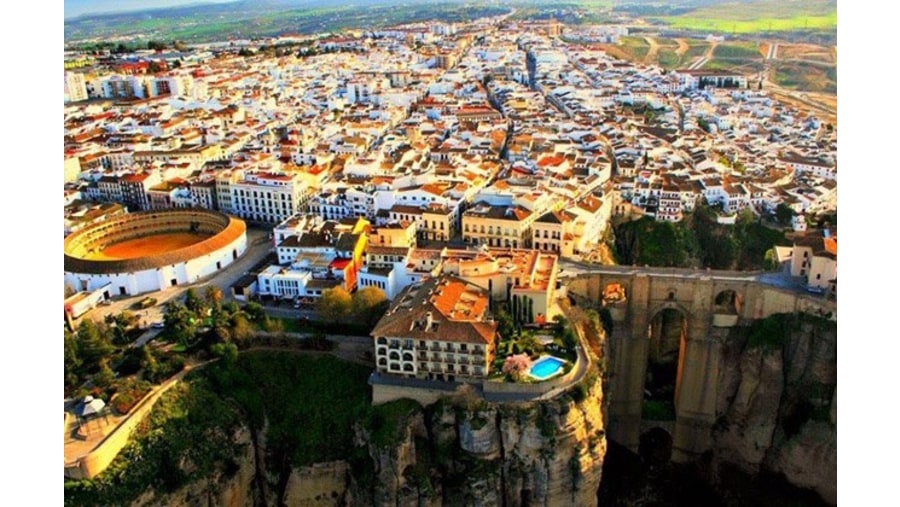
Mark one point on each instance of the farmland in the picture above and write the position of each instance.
(759, 16)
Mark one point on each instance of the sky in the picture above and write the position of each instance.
(75, 8)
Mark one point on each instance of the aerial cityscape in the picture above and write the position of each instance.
(525, 253)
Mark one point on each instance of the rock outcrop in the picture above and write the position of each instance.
(228, 487)
(462, 451)
(779, 405)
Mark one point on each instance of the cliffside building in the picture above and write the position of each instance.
(440, 329)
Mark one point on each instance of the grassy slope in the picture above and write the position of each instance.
(311, 404)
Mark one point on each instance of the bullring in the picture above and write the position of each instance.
(151, 250)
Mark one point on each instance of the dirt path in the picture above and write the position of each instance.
(682, 47)
(709, 52)
(650, 57)
(818, 103)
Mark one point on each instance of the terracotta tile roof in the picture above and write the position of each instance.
(457, 308)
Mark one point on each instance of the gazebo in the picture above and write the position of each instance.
(90, 410)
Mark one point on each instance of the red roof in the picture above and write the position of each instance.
(339, 264)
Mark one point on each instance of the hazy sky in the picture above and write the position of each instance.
(77, 7)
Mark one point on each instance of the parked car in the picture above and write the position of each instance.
(145, 303)
(157, 325)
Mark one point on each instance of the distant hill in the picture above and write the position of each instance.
(199, 22)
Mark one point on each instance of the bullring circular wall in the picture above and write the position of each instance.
(220, 240)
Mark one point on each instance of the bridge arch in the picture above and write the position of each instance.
(727, 301)
(667, 332)
(726, 307)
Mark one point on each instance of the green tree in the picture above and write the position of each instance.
(149, 363)
(120, 325)
(104, 377)
(255, 312)
(71, 359)
(560, 324)
(334, 305)
(368, 305)
(193, 302)
(505, 325)
(93, 343)
(228, 352)
(221, 327)
(703, 124)
(530, 344)
(179, 323)
(213, 297)
(716, 244)
(241, 328)
(231, 308)
(784, 214)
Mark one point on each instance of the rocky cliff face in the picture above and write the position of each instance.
(466, 452)
(230, 486)
(459, 452)
(778, 399)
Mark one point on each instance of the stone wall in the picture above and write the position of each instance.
(96, 461)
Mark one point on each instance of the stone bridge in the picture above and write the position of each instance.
(707, 303)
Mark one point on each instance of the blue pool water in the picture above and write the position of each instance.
(546, 367)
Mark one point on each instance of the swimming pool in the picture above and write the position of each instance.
(546, 367)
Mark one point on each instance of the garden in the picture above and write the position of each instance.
(519, 347)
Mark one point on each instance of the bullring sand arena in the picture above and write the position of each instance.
(151, 245)
(152, 250)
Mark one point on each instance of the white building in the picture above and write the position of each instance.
(267, 197)
(76, 89)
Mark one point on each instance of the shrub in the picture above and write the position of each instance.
(516, 365)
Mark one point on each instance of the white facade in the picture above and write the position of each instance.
(267, 197)
(76, 89)
(154, 279)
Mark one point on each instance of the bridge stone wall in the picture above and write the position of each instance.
(693, 293)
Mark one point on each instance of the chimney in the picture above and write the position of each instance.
(428, 321)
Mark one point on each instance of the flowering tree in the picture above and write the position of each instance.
(516, 365)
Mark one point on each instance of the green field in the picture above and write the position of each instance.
(238, 20)
(806, 77)
(743, 50)
(695, 49)
(761, 16)
(635, 46)
(668, 59)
